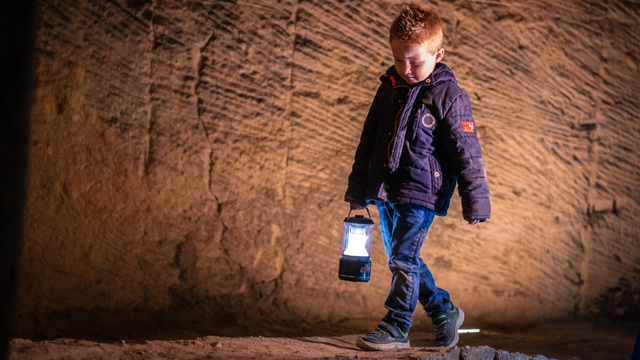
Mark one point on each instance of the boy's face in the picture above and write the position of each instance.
(412, 61)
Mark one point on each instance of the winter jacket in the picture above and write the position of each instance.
(416, 142)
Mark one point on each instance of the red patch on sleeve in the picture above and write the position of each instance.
(468, 127)
(393, 81)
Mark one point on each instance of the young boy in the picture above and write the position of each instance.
(419, 138)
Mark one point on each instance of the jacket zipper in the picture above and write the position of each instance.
(395, 130)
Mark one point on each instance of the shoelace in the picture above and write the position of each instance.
(441, 327)
(378, 331)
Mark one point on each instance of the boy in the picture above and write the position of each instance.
(419, 138)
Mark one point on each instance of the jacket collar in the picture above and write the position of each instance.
(440, 73)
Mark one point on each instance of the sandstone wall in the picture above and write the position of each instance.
(189, 161)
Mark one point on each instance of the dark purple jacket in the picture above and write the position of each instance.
(417, 140)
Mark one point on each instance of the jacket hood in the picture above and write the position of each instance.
(440, 73)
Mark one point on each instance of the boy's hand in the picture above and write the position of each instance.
(475, 221)
(355, 206)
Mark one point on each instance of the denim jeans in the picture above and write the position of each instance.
(403, 228)
(636, 349)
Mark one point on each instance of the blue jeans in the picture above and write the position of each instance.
(636, 349)
(403, 228)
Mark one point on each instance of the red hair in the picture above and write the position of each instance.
(418, 25)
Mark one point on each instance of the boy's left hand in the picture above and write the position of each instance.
(475, 221)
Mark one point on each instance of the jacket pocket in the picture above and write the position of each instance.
(411, 178)
(423, 125)
(436, 174)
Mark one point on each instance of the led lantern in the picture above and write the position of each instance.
(355, 262)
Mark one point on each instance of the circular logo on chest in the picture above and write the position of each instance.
(428, 120)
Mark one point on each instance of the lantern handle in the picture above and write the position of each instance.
(368, 212)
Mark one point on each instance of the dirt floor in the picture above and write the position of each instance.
(578, 339)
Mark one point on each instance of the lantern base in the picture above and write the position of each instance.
(356, 269)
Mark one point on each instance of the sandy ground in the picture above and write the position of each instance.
(582, 339)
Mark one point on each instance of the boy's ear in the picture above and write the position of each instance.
(439, 55)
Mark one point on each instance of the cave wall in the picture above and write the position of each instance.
(189, 161)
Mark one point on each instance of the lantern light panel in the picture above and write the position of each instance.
(357, 243)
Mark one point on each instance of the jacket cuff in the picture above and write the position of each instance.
(476, 209)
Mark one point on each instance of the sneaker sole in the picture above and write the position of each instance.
(377, 347)
(458, 324)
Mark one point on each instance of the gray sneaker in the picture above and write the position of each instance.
(447, 324)
(385, 337)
